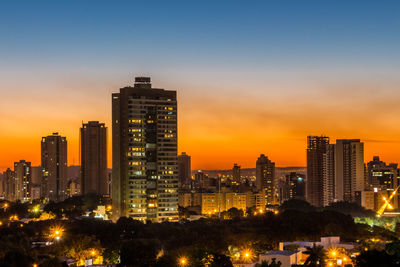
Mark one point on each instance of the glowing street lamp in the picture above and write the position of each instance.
(35, 209)
(247, 255)
(56, 232)
(183, 261)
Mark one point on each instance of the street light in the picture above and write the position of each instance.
(247, 255)
(183, 261)
(56, 232)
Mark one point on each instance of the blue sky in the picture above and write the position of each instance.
(283, 34)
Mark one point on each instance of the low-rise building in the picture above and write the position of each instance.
(286, 257)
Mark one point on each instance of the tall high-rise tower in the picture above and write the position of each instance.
(23, 181)
(9, 184)
(54, 164)
(328, 183)
(236, 173)
(94, 158)
(265, 179)
(145, 169)
(316, 148)
(184, 169)
(349, 169)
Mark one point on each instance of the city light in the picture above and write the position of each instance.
(14, 218)
(247, 255)
(35, 209)
(56, 232)
(183, 261)
(333, 252)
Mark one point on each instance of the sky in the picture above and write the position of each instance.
(252, 77)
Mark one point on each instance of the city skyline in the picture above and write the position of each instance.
(200, 133)
(264, 82)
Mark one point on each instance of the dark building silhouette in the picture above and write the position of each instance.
(94, 158)
(381, 175)
(297, 185)
(316, 148)
(236, 173)
(292, 185)
(265, 179)
(54, 164)
(145, 166)
(184, 169)
(9, 184)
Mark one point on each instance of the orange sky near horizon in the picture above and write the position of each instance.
(219, 124)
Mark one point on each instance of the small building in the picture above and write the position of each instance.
(286, 257)
(326, 242)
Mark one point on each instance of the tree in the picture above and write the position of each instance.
(234, 213)
(221, 260)
(82, 247)
(316, 256)
(16, 258)
(393, 248)
(140, 252)
(272, 264)
(51, 262)
(297, 204)
(350, 208)
(110, 256)
(376, 258)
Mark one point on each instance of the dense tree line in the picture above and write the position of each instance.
(162, 244)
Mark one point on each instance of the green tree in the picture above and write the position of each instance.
(272, 264)
(83, 247)
(234, 213)
(297, 204)
(316, 256)
(375, 258)
(140, 252)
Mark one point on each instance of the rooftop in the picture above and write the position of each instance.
(280, 253)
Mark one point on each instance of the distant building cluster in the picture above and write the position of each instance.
(337, 172)
(54, 180)
(149, 180)
(257, 189)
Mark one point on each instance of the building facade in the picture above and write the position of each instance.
(184, 169)
(145, 165)
(236, 173)
(316, 148)
(94, 158)
(265, 179)
(9, 184)
(22, 180)
(328, 183)
(54, 164)
(349, 169)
